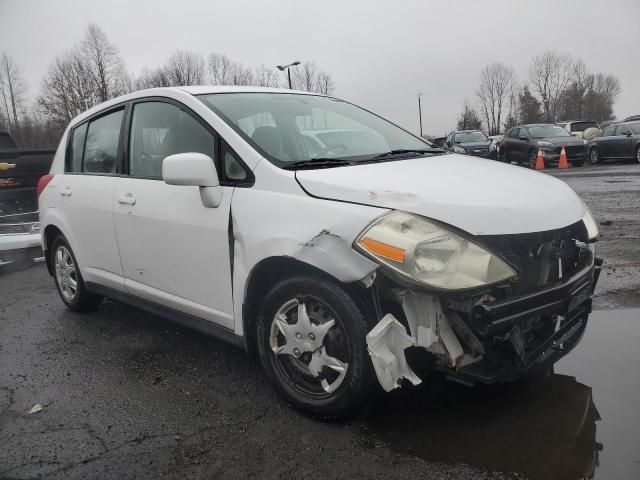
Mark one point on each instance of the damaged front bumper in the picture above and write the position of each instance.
(483, 339)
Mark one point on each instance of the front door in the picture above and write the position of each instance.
(174, 250)
(623, 144)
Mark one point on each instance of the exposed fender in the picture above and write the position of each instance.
(321, 234)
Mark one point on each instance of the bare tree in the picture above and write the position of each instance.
(310, 78)
(469, 118)
(224, 71)
(184, 68)
(549, 75)
(265, 77)
(494, 91)
(12, 93)
(68, 88)
(105, 64)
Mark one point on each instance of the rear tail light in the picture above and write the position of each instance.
(42, 183)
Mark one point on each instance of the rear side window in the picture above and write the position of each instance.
(74, 158)
(101, 146)
(622, 130)
(608, 132)
(160, 129)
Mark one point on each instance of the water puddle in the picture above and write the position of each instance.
(581, 422)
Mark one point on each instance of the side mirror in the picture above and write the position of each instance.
(195, 170)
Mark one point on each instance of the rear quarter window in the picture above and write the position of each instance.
(76, 148)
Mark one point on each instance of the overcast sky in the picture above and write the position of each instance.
(381, 54)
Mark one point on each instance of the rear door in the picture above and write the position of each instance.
(623, 144)
(174, 250)
(86, 194)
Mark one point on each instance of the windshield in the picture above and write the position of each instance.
(289, 128)
(468, 137)
(545, 131)
(582, 126)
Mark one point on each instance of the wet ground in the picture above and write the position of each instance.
(128, 395)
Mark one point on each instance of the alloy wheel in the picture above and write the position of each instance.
(638, 154)
(66, 273)
(310, 346)
(594, 157)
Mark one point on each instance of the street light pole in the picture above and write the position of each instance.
(420, 112)
(288, 69)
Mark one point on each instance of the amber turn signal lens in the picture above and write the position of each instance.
(384, 250)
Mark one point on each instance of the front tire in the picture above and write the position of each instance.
(68, 278)
(311, 343)
(533, 156)
(638, 154)
(594, 156)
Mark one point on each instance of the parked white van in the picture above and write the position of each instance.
(323, 238)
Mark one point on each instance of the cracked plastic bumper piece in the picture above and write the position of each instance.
(386, 343)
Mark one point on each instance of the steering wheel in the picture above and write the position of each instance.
(330, 148)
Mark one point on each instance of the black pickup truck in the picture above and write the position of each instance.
(20, 170)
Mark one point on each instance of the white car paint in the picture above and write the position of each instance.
(482, 197)
(169, 248)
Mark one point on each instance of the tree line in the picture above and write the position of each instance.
(93, 71)
(557, 87)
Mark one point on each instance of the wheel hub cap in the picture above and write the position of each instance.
(304, 340)
(66, 273)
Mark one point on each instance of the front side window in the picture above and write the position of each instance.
(548, 131)
(298, 128)
(635, 128)
(161, 129)
(101, 148)
(623, 130)
(74, 159)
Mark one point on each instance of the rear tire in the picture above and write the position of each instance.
(68, 278)
(594, 156)
(345, 376)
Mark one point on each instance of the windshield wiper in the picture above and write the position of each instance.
(404, 151)
(320, 162)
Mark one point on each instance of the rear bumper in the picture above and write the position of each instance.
(20, 247)
(563, 310)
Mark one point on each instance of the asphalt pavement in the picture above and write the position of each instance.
(124, 394)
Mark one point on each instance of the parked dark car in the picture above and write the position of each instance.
(470, 142)
(520, 144)
(438, 141)
(20, 170)
(620, 141)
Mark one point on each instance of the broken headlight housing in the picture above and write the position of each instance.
(431, 254)
(591, 225)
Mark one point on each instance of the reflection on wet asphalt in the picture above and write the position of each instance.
(581, 422)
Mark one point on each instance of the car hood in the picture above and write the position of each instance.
(482, 197)
(559, 141)
(475, 144)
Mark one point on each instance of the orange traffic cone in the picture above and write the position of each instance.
(540, 161)
(562, 163)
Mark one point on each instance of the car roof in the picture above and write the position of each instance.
(177, 91)
(467, 131)
(537, 125)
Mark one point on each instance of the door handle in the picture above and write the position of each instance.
(65, 192)
(127, 199)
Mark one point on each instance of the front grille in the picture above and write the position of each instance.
(573, 150)
(478, 151)
(541, 258)
(18, 228)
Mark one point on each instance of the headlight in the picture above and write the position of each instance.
(430, 254)
(545, 144)
(593, 233)
(459, 149)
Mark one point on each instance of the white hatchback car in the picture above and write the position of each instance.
(221, 208)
